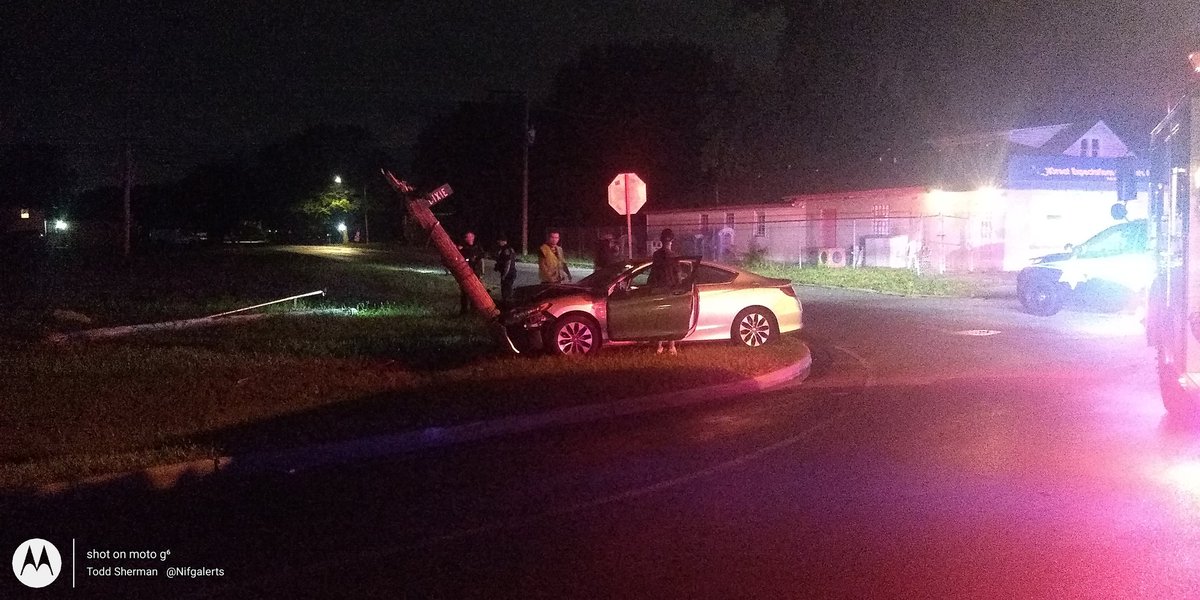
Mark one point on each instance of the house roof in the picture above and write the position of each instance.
(793, 200)
(1043, 139)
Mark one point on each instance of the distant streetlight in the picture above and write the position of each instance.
(341, 227)
(60, 225)
(337, 178)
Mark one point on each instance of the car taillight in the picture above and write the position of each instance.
(788, 289)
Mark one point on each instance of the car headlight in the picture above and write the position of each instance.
(530, 316)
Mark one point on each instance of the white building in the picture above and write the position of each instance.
(1000, 199)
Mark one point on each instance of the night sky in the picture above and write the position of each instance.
(193, 81)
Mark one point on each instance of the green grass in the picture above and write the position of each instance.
(892, 281)
(379, 353)
(573, 261)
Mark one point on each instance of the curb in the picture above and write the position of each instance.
(164, 477)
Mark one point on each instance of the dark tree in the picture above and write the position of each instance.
(647, 108)
(36, 175)
(287, 177)
(477, 150)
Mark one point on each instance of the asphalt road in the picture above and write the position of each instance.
(941, 449)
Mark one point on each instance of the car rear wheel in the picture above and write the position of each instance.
(754, 327)
(1043, 298)
(1179, 403)
(574, 334)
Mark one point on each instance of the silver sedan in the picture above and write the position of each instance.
(696, 301)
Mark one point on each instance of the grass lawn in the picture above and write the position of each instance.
(893, 281)
(380, 352)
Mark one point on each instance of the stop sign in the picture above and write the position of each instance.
(627, 192)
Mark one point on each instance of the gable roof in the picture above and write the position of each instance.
(1059, 138)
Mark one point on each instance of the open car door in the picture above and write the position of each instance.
(649, 306)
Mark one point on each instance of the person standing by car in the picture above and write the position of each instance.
(606, 252)
(552, 264)
(506, 266)
(664, 273)
(473, 254)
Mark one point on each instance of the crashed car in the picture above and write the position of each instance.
(1115, 265)
(619, 304)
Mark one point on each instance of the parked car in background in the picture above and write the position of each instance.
(619, 304)
(1115, 265)
(177, 237)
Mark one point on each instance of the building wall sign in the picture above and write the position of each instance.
(1072, 172)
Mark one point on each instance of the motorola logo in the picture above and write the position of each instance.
(36, 563)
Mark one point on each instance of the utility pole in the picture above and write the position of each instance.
(128, 189)
(366, 216)
(525, 142)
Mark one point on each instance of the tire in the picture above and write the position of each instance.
(573, 335)
(1043, 298)
(1179, 403)
(754, 327)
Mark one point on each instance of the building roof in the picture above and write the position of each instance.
(794, 200)
(1043, 139)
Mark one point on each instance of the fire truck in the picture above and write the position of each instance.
(1173, 308)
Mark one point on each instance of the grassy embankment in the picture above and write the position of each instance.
(381, 352)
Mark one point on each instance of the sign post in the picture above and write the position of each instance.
(627, 195)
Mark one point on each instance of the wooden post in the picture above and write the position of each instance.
(418, 208)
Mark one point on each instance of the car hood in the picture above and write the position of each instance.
(530, 294)
(1051, 258)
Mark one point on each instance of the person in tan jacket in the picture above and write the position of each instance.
(552, 264)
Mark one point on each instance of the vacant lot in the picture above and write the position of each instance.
(381, 351)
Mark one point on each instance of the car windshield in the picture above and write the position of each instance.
(604, 277)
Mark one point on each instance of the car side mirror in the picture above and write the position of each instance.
(1119, 211)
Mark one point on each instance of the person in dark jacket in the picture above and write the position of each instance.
(664, 273)
(606, 252)
(506, 266)
(473, 254)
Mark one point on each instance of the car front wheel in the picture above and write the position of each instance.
(1043, 298)
(754, 327)
(574, 334)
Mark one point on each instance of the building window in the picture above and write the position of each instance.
(1095, 146)
(1083, 147)
(24, 213)
(704, 223)
(880, 224)
(760, 223)
(729, 221)
(985, 230)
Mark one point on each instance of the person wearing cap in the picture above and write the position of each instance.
(664, 272)
(506, 266)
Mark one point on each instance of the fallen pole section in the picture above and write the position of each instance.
(209, 321)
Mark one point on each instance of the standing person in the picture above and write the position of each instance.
(506, 266)
(606, 252)
(664, 273)
(552, 264)
(473, 254)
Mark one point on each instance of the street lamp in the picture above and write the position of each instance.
(341, 227)
(337, 179)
